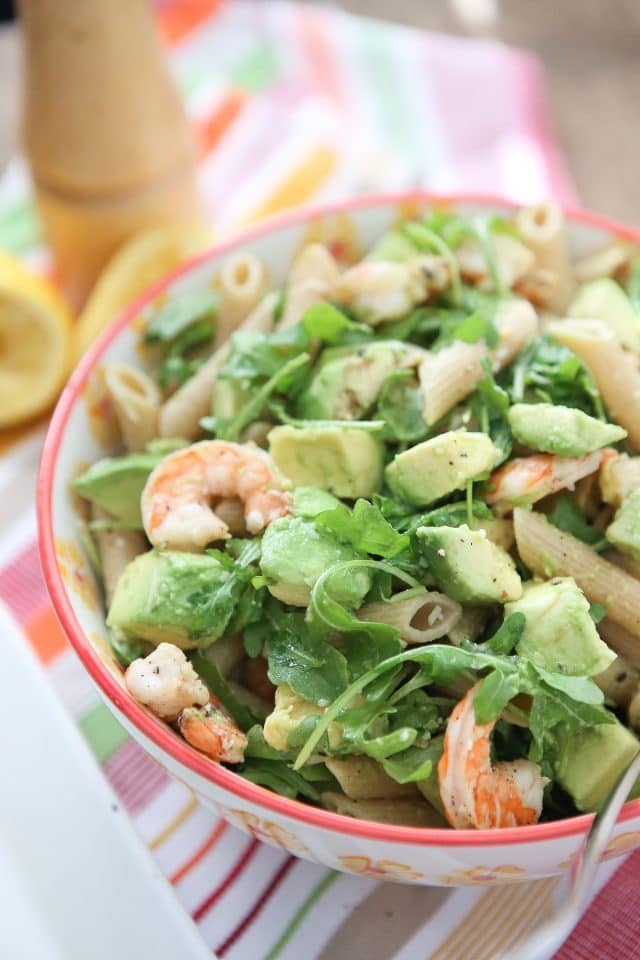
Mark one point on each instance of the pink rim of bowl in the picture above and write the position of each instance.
(154, 729)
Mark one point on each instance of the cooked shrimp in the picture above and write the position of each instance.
(211, 730)
(475, 792)
(527, 479)
(178, 501)
(381, 290)
(165, 682)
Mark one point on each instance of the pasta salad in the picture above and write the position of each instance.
(373, 539)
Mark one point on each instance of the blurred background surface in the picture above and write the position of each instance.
(589, 49)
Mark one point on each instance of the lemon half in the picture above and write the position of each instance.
(144, 258)
(35, 343)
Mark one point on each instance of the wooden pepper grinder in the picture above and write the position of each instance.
(107, 140)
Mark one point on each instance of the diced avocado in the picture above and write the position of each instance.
(289, 712)
(174, 597)
(347, 462)
(347, 381)
(437, 467)
(116, 483)
(562, 430)
(624, 532)
(467, 566)
(604, 299)
(295, 553)
(559, 633)
(310, 501)
(392, 246)
(593, 760)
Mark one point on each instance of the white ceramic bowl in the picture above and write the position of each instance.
(80, 434)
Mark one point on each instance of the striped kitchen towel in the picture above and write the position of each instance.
(272, 89)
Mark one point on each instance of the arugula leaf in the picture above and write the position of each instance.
(495, 693)
(449, 515)
(400, 408)
(279, 777)
(551, 372)
(176, 316)
(567, 516)
(416, 763)
(490, 405)
(311, 666)
(476, 327)
(370, 426)
(210, 673)
(323, 321)
(255, 355)
(230, 428)
(425, 237)
(597, 612)
(364, 528)
(507, 636)
(330, 615)
(551, 707)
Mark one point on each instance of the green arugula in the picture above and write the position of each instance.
(567, 516)
(549, 371)
(125, 649)
(210, 673)
(325, 322)
(364, 527)
(179, 315)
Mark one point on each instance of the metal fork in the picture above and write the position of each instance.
(550, 937)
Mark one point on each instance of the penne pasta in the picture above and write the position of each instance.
(549, 552)
(625, 644)
(543, 230)
(619, 477)
(242, 283)
(469, 626)
(605, 262)
(136, 402)
(311, 280)
(362, 778)
(614, 370)
(404, 812)
(116, 549)
(180, 415)
(419, 618)
(619, 682)
(449, 375)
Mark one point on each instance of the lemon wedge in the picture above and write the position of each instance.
(138, 263)
(35, 343)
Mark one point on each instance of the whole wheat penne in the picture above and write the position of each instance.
(550, 552)
(449, 375)
(419, 618)
(242, 283)
(619, 681)
(311, 280)
(180, 415)
(605, 262)
(543, 230)
(405, 812)
(362, 778)
(614, 370)
(136, 401)
(625, 644)
(116, 549)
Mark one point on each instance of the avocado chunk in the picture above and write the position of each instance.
(624, 532)
(347, 462)
(116, 483)
(467, 566)
(289, 712)
(604, 299)
(563, 430)
(436, 467)
(619, 476)
(295, 553)
(559, 633)
(181, 598)
(310, 501)
(347, 380)
(593, 760)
